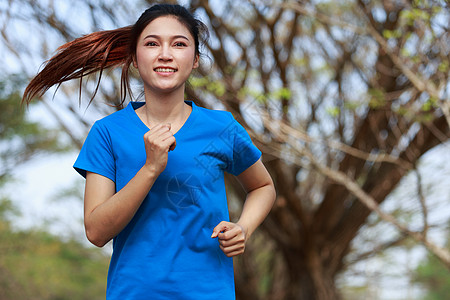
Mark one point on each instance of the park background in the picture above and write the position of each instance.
(348, 100)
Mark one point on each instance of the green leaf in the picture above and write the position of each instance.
(333, 111)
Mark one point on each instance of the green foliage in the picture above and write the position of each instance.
(217, 88)
(37, 265)
(33, 263)
(444, 66)
(20, 139)
(389, 34)
(334, 111)
(435, 277)
(282, 94)
(430, 104)
(377, 98)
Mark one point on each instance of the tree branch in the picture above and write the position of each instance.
(285, 132)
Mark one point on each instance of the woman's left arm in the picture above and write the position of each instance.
(260, 198)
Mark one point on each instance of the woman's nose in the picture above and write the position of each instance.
(165, 53)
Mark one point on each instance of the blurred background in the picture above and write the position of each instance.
(348, 100)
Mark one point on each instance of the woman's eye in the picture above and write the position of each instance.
(180, 44)
(151, 44)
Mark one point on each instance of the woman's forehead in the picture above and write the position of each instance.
(166, 26)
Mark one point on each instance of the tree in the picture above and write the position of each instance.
(37, 265)
(367, 117)
(33, 263)
(343, 97)
(21, 139)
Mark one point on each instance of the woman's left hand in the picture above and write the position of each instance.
(232, 238)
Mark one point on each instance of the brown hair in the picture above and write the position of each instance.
(84, 56)
(104, 49)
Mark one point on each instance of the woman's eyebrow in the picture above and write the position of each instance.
(173, 37)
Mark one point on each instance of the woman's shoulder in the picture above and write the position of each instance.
(117, 117)
(218, 121)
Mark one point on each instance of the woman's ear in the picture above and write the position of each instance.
(196, 61)
(135, 62)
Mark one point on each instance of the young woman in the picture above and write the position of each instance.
(155, 170)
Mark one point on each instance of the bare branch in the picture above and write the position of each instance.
(422, 204)
(420, 83)
(285, 132)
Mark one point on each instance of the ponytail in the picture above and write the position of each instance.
(83, 56)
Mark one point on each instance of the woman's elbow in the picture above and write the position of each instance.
(269, 187)
(95, 238)
(272, 192)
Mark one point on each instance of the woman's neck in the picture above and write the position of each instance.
(165, 108)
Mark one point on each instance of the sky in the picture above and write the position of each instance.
(35, 189)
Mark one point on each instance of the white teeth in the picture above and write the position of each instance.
(164, 70)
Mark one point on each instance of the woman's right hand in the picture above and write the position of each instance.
(159, 140)
(107, 212)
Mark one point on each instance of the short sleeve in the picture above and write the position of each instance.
(96, 155)
(245, 153)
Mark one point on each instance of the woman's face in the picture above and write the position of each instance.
(165, 55)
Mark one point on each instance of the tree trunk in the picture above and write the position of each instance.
(309, 278)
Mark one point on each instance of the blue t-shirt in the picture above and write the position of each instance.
(166, 251)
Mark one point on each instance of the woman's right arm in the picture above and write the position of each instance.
(106, 212)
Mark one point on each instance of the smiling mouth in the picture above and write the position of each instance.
(165, 70)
